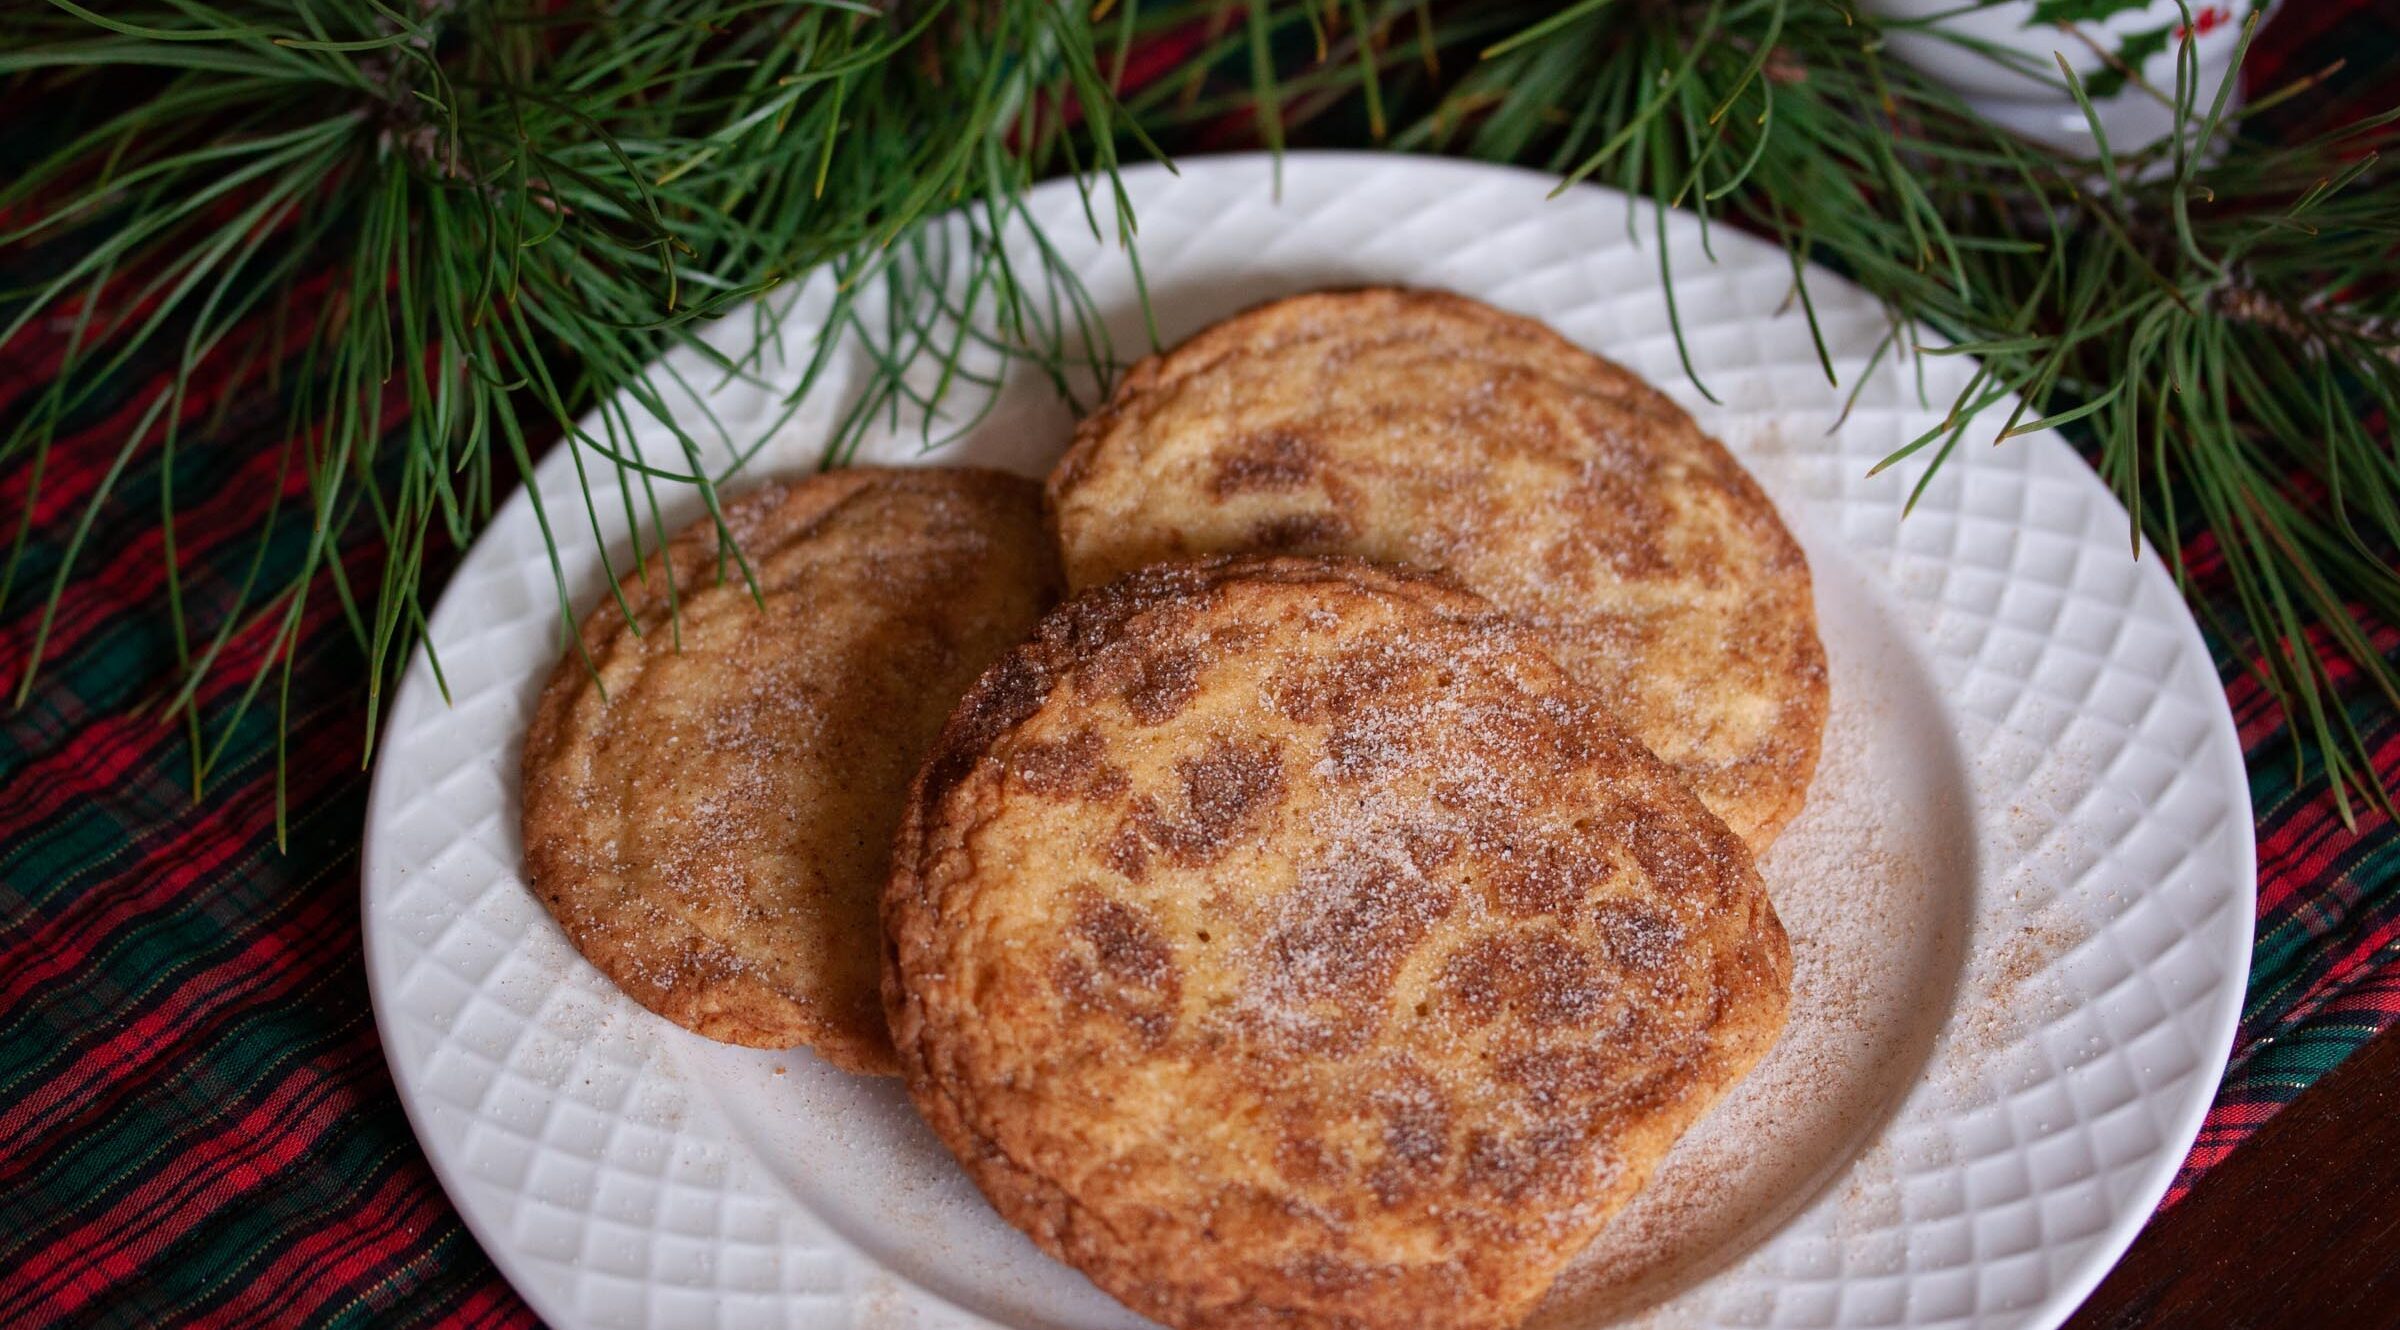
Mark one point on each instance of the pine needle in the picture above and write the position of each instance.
(457, 227)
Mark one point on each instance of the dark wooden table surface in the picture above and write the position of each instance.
(2300, 1226)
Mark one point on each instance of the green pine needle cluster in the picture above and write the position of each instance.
(2219, 327)
(468, 224)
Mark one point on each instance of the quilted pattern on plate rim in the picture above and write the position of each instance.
(2105, 773)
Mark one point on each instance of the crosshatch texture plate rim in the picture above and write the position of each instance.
(595, 1171)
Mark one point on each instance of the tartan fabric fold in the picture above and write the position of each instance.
(196, 1123)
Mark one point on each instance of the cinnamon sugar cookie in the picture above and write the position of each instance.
(1293, 943)
(1426, 429)
(711, 818)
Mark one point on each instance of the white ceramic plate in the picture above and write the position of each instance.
(2020, 898)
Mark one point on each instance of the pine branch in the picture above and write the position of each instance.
(468, 225)
(2222, 335)
(513, 210)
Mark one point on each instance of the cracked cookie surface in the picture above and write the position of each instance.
(1426, 429)
(1293, 942)
(709, 804)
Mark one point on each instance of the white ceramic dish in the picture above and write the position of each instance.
(2143, 37)
(2021, 894)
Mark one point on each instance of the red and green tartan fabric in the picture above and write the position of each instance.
(196, 1123)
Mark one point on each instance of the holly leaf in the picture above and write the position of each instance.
(2109, 80)
(2081, 11)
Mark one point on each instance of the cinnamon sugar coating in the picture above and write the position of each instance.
(1293, 943)
(711, 818)
(1421, 428)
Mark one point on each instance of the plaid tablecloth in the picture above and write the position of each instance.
(196, 1122)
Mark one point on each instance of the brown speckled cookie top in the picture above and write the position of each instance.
(1419, 428)
(714, 831)
(1292, 942)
